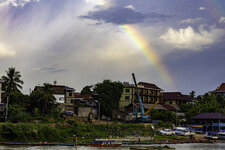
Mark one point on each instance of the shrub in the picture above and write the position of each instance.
(163, 124)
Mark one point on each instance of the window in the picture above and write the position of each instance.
(70, 94)
(171, 102)
(127, 90)
(71, 101)
(127, 97)
(146, 92)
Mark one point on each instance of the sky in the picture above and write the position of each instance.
(179, 45)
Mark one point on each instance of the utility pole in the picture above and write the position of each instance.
(7, 104)
(98, 110)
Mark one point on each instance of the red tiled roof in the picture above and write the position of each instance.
(220, 88)
(78, 95)
(57, 89)
(176, 96)
(149, 85)
(158, 106)
(168, 107)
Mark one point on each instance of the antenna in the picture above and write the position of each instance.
(55, 82)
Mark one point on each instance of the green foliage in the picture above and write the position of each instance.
(109, 94)
(171, 137)
(72, 122)
(47, 133)
(61, 132)
(19, 98)
(164, 115)
(192, 94)
(36, 113)
(16, 132)
(43, 99)
(161, 124)
(205, 103)
(12, 82)
(123, 130)
(87, 90)
(17, 114)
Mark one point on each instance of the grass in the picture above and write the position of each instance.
(68, 131)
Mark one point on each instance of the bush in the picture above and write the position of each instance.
(163, 124)
(17, 114)
(16, 132)
(164, 115)
(46, 133)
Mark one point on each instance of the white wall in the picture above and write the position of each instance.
(83, 112)
(59, 98)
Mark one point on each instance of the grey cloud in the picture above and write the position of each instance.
(51, 69)
(121, 15)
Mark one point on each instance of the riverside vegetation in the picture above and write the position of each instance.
(35, 117)
(68, 131)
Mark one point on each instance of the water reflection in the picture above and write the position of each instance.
(197, 146)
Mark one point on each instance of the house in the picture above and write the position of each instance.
(136, 106)
(220, 90)
(64, 96)
(175, 99)
(209, 122)
(85, 104)
(148, 92)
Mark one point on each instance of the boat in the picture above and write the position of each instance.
(221, 135)
(210, 136)
(104, 144)
(36, 143)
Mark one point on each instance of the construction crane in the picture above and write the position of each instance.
(146, 113)
(143, 118)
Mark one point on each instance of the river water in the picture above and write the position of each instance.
(197, 146)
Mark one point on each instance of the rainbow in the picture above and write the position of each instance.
(149, 53)
(145, 48)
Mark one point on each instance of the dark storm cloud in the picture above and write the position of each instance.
(201, 72)
(120, 15)
(52, 69)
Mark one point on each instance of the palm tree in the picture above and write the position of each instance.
(43, 99)
(47, 98)
(192, 94)
(12, 81)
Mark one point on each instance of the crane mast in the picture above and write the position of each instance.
(139, 98)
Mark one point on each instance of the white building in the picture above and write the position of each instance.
(60, 98)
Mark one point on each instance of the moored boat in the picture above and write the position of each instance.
(99, 143)
(221, 135)
(103, 145)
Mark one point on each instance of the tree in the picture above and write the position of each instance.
(192, 94)
(205, 103)
(12, 82)
(109, 94)
(164, 115)
(19, 98)
(43, 99)
(87, 90)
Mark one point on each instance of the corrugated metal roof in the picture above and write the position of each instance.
(149, 85)
(210, 116)
(221, 88)
(176, 96)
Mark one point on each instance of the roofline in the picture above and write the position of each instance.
(62, 86)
